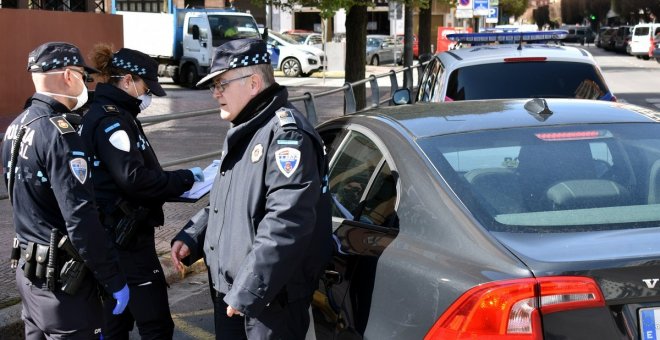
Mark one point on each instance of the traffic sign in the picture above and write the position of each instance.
(493, 14)
(480, 7)
(464, 5)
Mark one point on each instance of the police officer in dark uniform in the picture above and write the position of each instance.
(64, 249)
(266, 234)
(130, 185)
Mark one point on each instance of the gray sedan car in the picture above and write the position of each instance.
(383, 49)
(495, 219)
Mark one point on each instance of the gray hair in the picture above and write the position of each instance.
(265, 71)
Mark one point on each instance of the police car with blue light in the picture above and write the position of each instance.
(512, 65)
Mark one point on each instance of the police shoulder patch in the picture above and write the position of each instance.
(119, 139)
(285, 117)
(62, 125)
(78, 167)
(110, 108)
(288, 160)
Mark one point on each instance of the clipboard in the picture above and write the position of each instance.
(200, 189)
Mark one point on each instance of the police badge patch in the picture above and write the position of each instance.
(257, 152)
(288, 160)
(78, 168)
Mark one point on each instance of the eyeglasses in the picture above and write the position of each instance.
(85, 75)
(147, 92)
(222, 85)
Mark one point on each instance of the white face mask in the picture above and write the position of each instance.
(146, 101)
(81, 99)
(145, 98)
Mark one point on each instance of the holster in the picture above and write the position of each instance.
(72, 276)
(127, 227)
(74, 270)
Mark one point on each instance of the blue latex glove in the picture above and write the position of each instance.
(198, 174)
(122, 297)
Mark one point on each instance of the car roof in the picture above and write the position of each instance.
(485, 54)
(431, 119)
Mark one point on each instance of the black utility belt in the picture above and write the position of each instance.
(58, 263)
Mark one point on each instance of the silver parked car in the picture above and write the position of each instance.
(383, 49)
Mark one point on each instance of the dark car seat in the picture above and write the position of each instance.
(498, 188)
(542, 165)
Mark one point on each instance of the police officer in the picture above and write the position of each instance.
(268, 231)
(47, 175)
(130, 185)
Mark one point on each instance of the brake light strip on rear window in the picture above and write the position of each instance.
(524, 59)
(511, 309)
(574, 135)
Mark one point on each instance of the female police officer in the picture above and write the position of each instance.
(131, 186)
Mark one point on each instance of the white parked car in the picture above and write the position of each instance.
(640, 42)
(295, 59)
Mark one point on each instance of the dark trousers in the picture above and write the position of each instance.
(282, 321)
(57, 315)
(147, 307)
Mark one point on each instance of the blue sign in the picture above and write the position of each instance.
(492, 13)
(480, 5)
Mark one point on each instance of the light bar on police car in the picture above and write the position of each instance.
(508, 36)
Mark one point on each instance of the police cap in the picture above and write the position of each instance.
(237, 53)
(141, 65)
(54, 55)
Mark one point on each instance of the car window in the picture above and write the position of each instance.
(641, 31)
(378, 207)
(527, 80)
(583, 177)
(350, 172)
(315, 39)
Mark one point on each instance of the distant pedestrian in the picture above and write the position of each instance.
(130, 185)
(47, 174)
(268, 235)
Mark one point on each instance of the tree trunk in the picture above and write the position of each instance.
(424, 32)
(356, 55)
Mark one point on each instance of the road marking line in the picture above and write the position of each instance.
(188, 328)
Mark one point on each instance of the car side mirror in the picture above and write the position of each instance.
(401, 97)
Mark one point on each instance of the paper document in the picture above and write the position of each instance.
(199, 189)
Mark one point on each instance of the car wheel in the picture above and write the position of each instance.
(374, 60)
(658, 60)
(645, 57)
(291, 67)
(189, 76)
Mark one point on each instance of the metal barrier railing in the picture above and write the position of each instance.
(309, 100)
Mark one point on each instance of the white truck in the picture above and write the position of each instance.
(183, 41)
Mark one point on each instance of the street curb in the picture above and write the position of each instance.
(11, 325)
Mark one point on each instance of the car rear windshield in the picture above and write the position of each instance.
(568, 178)
(550, 79)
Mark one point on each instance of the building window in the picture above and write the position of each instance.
(140, 5)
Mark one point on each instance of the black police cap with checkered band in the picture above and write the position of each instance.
(234, 54)
(54, 55)
(141, 65)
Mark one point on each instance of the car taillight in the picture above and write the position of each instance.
(511, 309)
